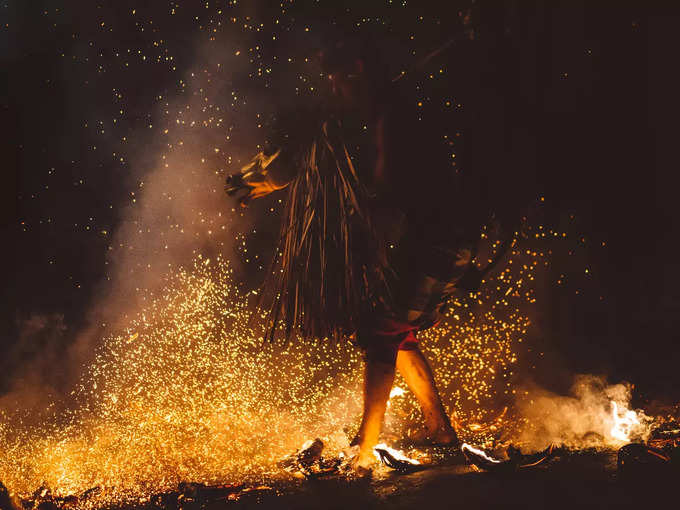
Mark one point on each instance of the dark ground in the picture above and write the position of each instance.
(585, 480)
(581, 481)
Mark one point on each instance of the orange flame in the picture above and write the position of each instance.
(623, 423)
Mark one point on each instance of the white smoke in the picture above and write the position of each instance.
(582, 419)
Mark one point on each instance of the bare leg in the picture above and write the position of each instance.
(378, 380)
(417, 373)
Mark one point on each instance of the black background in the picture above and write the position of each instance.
(574, 101)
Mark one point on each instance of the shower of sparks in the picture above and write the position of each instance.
(191, 392)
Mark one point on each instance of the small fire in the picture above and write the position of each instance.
(397, 454)
(479, 452)
(623, 423)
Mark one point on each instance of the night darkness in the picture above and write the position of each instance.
(575, 102)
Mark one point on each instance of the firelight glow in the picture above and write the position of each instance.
(479, 452)
(624, 422)
(397, 454)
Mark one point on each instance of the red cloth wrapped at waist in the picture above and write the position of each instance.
(400, 333)
(383, 337)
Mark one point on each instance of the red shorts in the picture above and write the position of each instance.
(383, 337)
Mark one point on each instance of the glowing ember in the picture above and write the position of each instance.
(397, 454)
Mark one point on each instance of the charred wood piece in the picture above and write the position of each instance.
(660, 456)
(310, 462)
(637, 459)
(310, 454)
(198, 495)
(516, 460)
(665, 436)
(399, 465)
(191, 495)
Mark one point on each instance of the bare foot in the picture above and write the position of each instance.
(363, 463)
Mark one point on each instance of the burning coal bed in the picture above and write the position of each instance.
(658, 455)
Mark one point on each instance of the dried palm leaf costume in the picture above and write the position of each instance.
(352, 261)
(330, 254)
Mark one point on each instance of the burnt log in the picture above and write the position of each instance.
(309, 461)
(517, 460)
(399, 465)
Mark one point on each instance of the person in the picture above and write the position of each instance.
(378, 229)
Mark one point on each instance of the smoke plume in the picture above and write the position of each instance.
(583, 418)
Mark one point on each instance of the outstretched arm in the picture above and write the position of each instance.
(259, 177)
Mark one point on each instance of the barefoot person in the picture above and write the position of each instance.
(377, 230)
